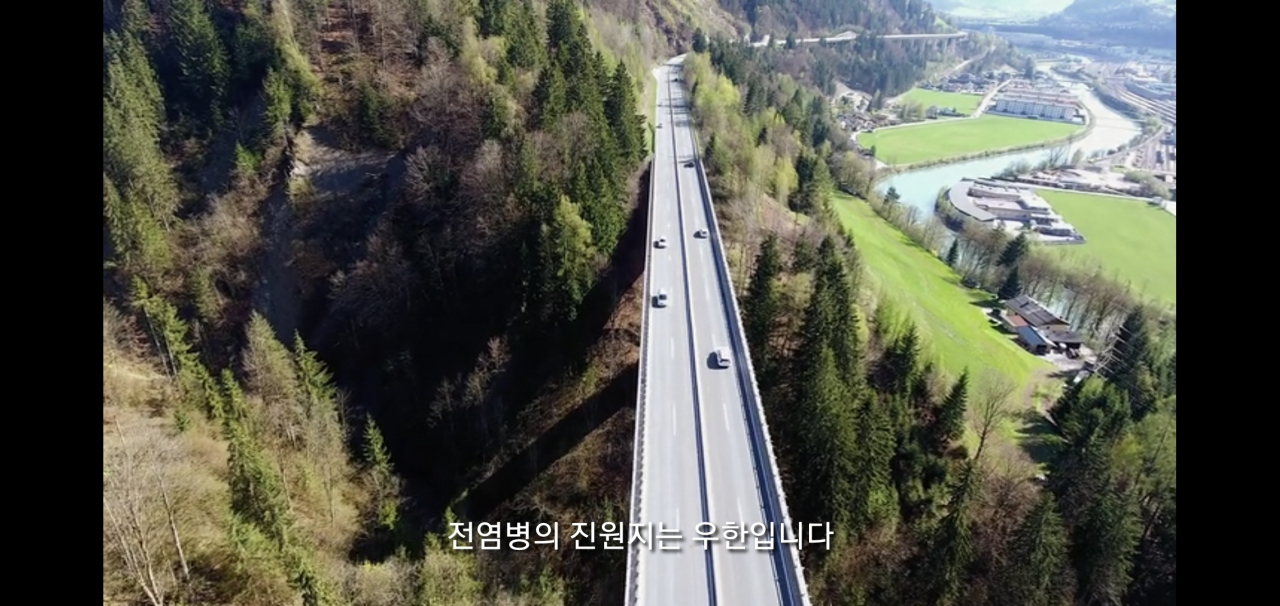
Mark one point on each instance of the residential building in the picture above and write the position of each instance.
(1023, 310)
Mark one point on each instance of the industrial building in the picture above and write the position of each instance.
(1152, 89)
(995, 202)
(1038, 103)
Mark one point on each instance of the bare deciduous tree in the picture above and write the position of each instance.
(991, 406)
(140, 524)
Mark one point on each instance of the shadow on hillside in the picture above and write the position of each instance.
(438, 466)
(1038, 437)
(556, 442)
(566, 351)
(991, 303)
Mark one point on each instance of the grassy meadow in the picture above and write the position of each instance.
(1136, 242)
(948, 315)
(932, 141)
(963, 103)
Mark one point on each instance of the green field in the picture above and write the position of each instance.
(951, 138)
(1135, 241)
(924, 287)
(965, 104)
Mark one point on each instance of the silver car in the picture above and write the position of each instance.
(701, 233)
(723, 359)
(660, 243)
(661, 299)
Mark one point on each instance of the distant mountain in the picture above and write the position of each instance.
(1148, 12)
(999, 8)
(1152, 23)
(1127, 22)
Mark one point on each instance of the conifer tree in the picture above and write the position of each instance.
(871, 483)
(953, 252)
(131, 119)
(1014, 251)
(257, 492)
(626, 125)
(1012, 286)
(550, 97)
(1103, 546)
(201, 60)
(948, 424)
(1037, 554)
(378, 461)
(567, 260)
(523, 35)
(951, 549)
(826, 448)
(491, 17)
(761, 307)
(1129, 356)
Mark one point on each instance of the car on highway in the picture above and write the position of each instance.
(660, 243)
(661, 299)
(658, 125)
(688, 164)
(723, 359)
(701, 233)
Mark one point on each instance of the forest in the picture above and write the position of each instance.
(903, 460)
(356, 254)
(369, 268)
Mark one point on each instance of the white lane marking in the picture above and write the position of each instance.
(725, 409)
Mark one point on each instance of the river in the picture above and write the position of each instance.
(919, 188)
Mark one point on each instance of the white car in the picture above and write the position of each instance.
(660, 243)
(661, 299)
(723, 359)
(701, 233)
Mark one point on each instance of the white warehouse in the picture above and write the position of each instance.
(1040, 105)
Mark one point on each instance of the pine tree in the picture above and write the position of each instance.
(549, 97)
(201, 60)
(1037, 554)
(626, 125)
(761, 307)
(567, 261)
(948, 424)
(699, 41)
(491, 17)
(826, 446)
(1104, 545)
(131, 120)
(951, 549)
(523, 35)
(257, 492)
(386, 512)
(1014, 251)
(899, 364)
(1011, 287)
(1131, 354)
(953, 252)
(871, 482)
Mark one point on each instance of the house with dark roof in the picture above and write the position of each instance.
(1031, 339)
(1025, 311)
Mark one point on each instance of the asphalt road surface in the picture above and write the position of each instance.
(700, 466)
(672, 493)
